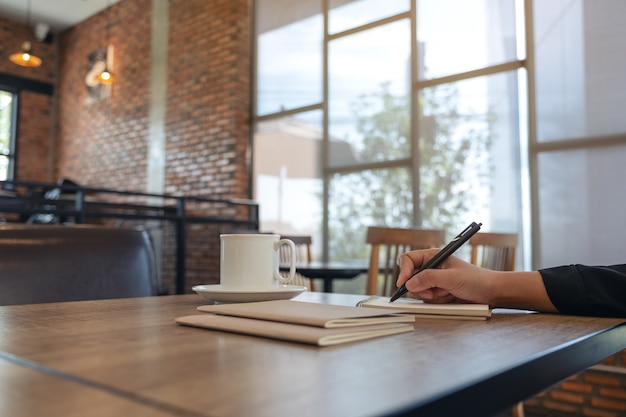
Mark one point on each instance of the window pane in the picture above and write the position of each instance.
(6, 117)
(580, 65)
(4, 167)
(287, 176)
(347, 14)
(469, 155)
(462, 35)
(581, 212)
(369, 110)
(362, 199)
(289, 55)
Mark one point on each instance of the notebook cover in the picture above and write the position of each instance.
(293, 332)
(310, 314)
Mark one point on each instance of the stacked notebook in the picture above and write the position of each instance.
(311, 323)
(425, 310)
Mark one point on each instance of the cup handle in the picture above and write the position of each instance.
(292, 263)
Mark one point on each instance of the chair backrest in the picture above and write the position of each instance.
(390, 243)
(242, 232)
(303, 249)
(52, 263)
(494, 250)
(304, 254)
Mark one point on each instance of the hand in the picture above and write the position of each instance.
(453, 281)
(456, 281)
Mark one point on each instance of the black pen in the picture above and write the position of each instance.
(443, 254)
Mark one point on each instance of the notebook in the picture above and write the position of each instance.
(296, 321)
(426, 310)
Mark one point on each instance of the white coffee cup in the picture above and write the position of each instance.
(250, 261)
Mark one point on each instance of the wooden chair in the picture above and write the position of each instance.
(392, 242)
(494, 250)
(53, 263)
(304, 254)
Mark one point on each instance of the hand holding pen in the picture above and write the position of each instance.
(448, 250)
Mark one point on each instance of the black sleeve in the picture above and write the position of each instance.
(587, 290)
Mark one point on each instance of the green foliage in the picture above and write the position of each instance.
(448, 143)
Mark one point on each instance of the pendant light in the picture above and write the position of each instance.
(106, 76)
(25, 58)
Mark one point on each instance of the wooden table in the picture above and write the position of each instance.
(128, 357)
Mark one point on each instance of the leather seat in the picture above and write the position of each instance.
(51, 263)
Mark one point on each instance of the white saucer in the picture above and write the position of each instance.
(220, 294)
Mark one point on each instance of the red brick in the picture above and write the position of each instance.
(608, 404)
(559, 406)
(613, 393)
(579, 387)
(567, 397)
(602, 379)
(593, 412)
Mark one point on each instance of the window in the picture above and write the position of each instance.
(8, 106)
(581, 132)
(417, 116)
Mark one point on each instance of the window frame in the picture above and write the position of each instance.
(417, 85)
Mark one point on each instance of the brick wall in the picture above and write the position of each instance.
(595, 392)
(208, 113)
(208, 99)
(102, 143)
(207, 117)
(105, 143)
(35, 138)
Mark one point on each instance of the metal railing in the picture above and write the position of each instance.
(37, 202)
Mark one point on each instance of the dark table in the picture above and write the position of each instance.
(330, 271)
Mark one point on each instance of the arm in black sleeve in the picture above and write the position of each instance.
(587, 290)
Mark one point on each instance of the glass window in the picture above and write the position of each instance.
(289, 56)
(7, 108)
(461, 35)
(466, 135)
(366, 198)
(369, 89)
(581, 212)
(470, 154)
(287, 174)
(580, 66)
(348, 14)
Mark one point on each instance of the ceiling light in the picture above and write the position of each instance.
(25, 58)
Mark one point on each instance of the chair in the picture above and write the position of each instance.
(304, 254)
(242, 232)
(494, 250)
(53, 263)
(393, 242)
